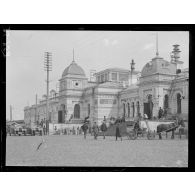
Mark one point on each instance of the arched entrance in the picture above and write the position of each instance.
(133, 109)
(61, 113)
(148, 107)
(88, 109)
(178, 103)
(166, 102)
(124, 110)
(128, 110)
(138, 108)
(77, 111)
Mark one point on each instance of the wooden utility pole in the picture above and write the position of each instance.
(36, 111)
(47, 67)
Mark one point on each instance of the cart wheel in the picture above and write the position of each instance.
(133, 136)
(150, 136)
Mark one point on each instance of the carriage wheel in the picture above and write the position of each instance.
(150, 136)
(132, 136)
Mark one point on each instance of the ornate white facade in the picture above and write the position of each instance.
(113, 95)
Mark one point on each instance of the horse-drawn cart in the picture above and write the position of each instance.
(150, 129)
(144, 128)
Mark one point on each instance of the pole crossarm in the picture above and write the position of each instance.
(47, 67)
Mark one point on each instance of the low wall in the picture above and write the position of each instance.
(62, 126)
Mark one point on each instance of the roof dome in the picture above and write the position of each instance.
(73, 69)
(158, 65)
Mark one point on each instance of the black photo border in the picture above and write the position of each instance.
(95, 27)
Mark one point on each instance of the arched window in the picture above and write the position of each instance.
(88, 109)
(124, 111)
(150, 107)
(138, 108)
(128, 110)
(133, 107)
(166, 102)
(178, 103)
(61, 113)
(76, 111)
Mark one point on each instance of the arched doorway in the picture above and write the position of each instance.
(128, 110)
(133, 109)
(138, 108)
(124, 110)
(88, 109)
(166, 102)
(61, 113)
(178, 103)
(148, 107)
(77, 111)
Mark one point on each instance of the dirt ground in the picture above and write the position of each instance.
(73, 150)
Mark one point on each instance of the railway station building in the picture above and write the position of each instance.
(115, 93)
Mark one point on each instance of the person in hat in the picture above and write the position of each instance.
(118, 131)
(160, 113)
(95, 130)
(44, 130)
(84, 128)
(104, 128)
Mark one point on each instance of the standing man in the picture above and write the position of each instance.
(44, 130)
(118, 132)
(84, 128)
(104, 128)
(160, 113)
(55, 128)
(95, 130)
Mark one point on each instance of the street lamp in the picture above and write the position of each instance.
(132, 69)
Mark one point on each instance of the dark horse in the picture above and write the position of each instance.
(167, 128)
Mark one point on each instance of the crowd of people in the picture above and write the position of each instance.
(94, 129)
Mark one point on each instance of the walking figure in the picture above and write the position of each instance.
(104, 128)
(160, 113)
(95, 130)
(118, 132)
(44, 130)
(84, 128)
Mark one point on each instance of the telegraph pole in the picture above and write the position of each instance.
(47, 67)
(176, 55)
(36, 111)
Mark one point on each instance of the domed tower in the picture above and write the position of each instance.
(72, 83)
(155, 82)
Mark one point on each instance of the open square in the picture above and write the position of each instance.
(75, 151)
(80, 82)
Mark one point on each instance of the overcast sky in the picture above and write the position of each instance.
(97, 50)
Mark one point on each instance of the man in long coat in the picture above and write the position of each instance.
(104, 128)
(160, 113)
(118, 131)
(84, 128)
(95, 130)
